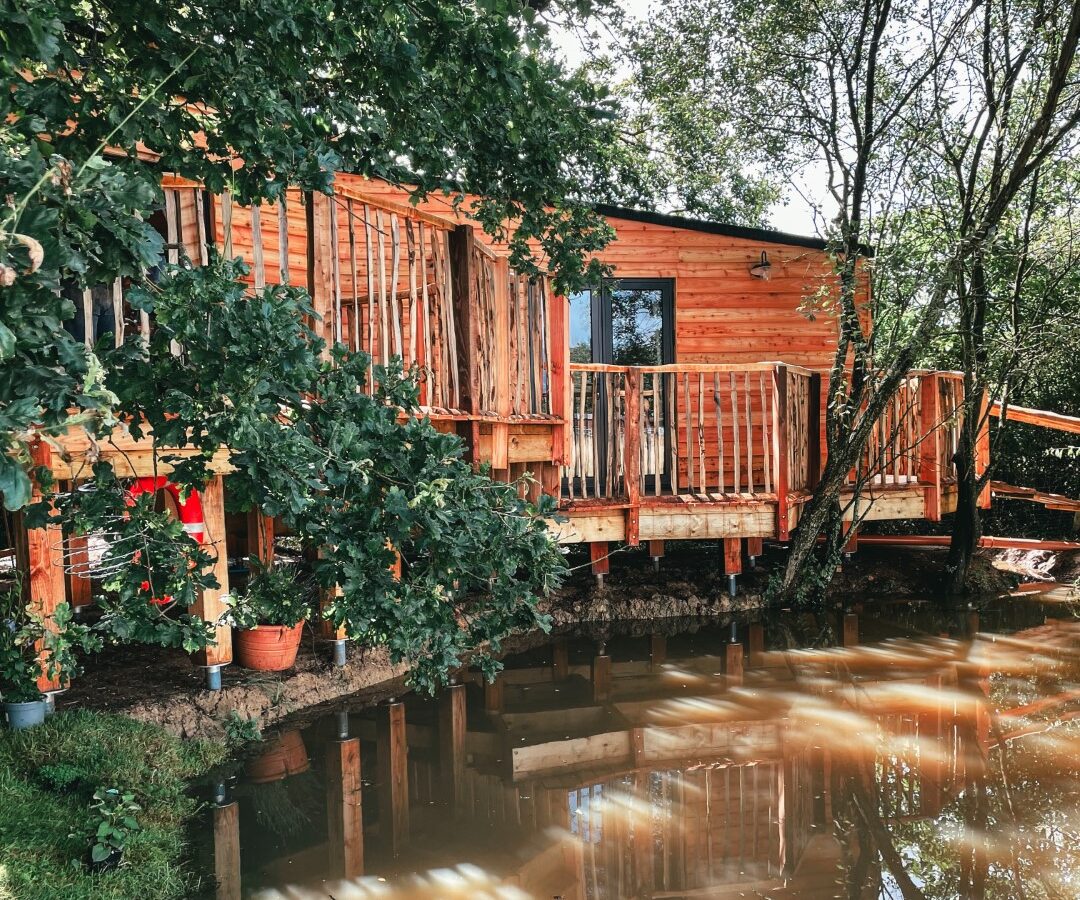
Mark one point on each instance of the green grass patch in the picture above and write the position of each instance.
(48, 775)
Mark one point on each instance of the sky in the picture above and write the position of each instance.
(794, 216)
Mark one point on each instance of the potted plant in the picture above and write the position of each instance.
(34, 647)
(270, 616)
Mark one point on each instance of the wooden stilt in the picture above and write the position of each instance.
(852, 535)
(39, 555)
(754, 547)
(452, 743)
(732, 556)
(211, 606)
(598, 558)
(80, 588)
(227, 851)
(344, 819)
(393, 761)
(601, 678)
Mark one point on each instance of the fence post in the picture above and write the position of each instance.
(930, 446)
(982, 448)
(632, 460)
(780, 439)
(468, 335)
(814, 425)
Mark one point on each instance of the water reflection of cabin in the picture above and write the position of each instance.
(680, 400)
(626, 770)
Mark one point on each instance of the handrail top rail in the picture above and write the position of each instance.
(703, 368)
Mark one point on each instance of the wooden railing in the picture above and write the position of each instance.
(716, 431)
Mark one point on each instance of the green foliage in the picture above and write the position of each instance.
(348, 474)
(240, 731)
(275, 595)
(115, 822)
(32, 646)
(48, 776)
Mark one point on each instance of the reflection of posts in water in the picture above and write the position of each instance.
(493, 694)
(452, 743)
(344, 810)
(393, 760)
(601, 677)
(644, 877)
(657, 651)
(560, 660)
(850, 630)
(756, 640)
(227, 851)
(733, 661)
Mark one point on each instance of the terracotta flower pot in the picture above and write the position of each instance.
(284, 757)
(268, 648)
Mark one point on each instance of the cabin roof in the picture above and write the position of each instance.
(763, 235)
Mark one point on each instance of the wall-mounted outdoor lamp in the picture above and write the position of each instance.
(761, 268)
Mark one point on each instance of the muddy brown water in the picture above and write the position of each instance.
(892, 750)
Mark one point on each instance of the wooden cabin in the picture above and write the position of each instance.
(679, 399)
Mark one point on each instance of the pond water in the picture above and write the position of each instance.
(893, 750)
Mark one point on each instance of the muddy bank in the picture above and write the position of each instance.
(163, 687)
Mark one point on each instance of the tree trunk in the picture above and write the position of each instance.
(967, 523)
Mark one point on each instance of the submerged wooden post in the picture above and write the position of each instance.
(601, 677)
(930, 445)
(344, 811)
(452, 743)
(227, 851)
(211, 605)
(393, 760)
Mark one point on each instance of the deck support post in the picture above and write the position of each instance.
(599, 560)
(732, 562)
(452, 743)
(851, 532)
(656, 551)
(39, 556)
(393, 760)
(211, 605)
(780, 439)
(260, 529)
(754, 549)
(344, 811)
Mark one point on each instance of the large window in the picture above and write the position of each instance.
(627, 322)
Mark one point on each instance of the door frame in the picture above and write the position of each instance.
(602, 336)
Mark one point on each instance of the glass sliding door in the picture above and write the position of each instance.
(623, 322)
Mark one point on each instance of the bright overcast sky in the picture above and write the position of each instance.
(794, 216)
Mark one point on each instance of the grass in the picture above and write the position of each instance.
(47, 777)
